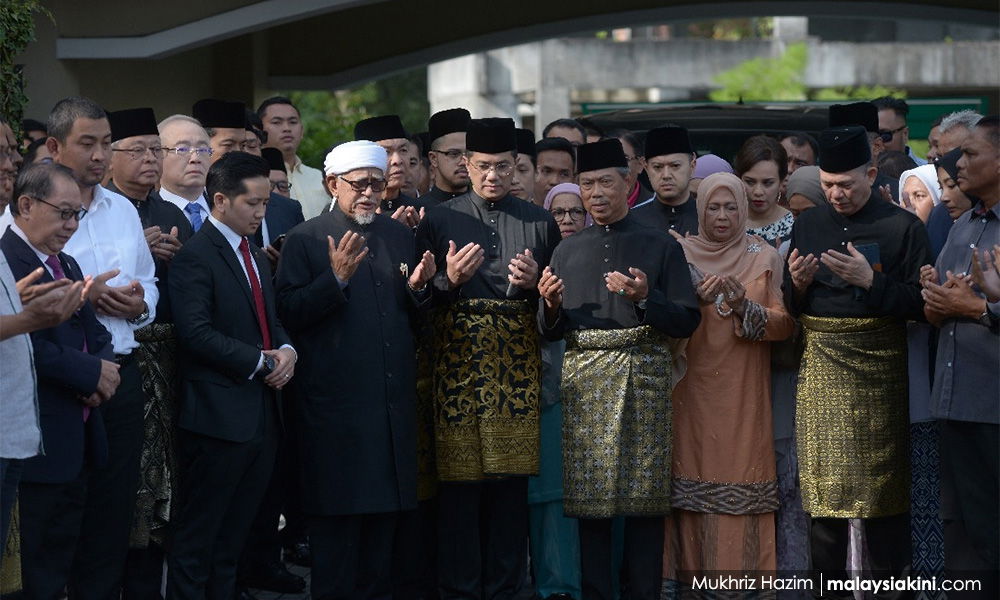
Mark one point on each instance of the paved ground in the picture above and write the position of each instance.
(303, 572)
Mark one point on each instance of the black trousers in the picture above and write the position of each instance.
(970, 482)
(221, 486)
(888, 542)
(144, 573)
(282, 498)
(111, 491)
(642, 563)
(352, 556)
(51, 521)
(482, 537)
(414, 553)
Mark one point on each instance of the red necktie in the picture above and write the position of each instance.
(57, 273)
(258, 295)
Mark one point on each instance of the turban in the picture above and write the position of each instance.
(348, 156)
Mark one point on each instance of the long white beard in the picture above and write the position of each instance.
(364, 219)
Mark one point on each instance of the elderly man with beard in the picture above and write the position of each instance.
(347, 285)
(387, 131)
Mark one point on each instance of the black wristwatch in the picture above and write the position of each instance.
(267, 367)
(987, 319)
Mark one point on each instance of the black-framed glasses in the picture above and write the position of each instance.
(359, 186)
(576, 214)
(453, 154)
(66, 213)
(202, 151)
(888, 134)
(502, 168)
(281, 186)
(138, 152)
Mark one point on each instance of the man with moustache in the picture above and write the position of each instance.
(110, 246)
(555, 163)
(77, 373)
(853, 279)
(489, 247)
(136, 165)
(346, 286)
(801, 148)
(865, 114)
(234, 359)
(670, 162)
(446, 130)
(387, 131)
(284, 128)
(615, 291)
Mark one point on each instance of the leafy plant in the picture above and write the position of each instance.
(17, 30)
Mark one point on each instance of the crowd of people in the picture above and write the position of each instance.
(469, 364)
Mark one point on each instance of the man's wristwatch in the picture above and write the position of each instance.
(268, 367)
(141, 316)
(987, 319)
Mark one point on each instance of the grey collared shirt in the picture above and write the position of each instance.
(967, 375)
(20, 432)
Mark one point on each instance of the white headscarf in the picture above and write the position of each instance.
(928, 175)
(361, 154)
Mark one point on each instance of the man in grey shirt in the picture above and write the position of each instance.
(966, 393)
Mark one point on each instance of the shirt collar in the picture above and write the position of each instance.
(20, 233)
(296, 165)
(231, 236)
(975, 212)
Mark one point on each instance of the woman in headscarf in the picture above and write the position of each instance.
(724, 491)
(919, 192)
(555, 542)
(804, 191)
(708, 164)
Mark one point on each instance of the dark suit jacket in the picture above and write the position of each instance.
(220, 341)
(65, 372)
(282, 214)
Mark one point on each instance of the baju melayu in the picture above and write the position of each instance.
(682, 218)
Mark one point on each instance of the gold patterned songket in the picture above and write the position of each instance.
(487, 384)
(852, 418)
(616, 423)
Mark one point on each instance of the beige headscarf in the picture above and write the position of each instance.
(743, 256)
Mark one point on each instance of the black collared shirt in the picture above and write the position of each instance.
(682, 218)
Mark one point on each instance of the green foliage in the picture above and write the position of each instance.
(733, 29)
(329, 117)
(763, 79)
(781, 79)
(17, 30)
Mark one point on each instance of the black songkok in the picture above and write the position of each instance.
(132, 122)
(601, 155)
(212, 113)
(274, 159)
(842, 149)
(491, 136)
(376, 129)
(864, 114)
(668, 140)
(525, 142)
(448, 121)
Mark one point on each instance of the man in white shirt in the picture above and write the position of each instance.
(185, 166)
(283, 125)
(109, 245)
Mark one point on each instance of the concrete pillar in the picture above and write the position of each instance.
(477, 82)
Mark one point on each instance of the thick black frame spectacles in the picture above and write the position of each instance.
(66, 213)
(377, 185)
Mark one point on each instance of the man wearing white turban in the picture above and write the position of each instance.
(347, 285)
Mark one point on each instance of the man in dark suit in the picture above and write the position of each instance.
(235, 358)
(346, 285)
(76, 372)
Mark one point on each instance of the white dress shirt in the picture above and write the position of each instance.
(110, 237)
(307, 188)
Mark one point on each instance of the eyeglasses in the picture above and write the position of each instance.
(575, 214)
(138, 152)
(630, 157)
(66, 213)
(282, 186)
(502, 169)
(377, 185)
(606, 182)
(453, 154)
(201, 151)
(888, 134)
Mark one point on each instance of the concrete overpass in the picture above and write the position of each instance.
(126, 53)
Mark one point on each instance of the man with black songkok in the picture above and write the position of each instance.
(865, 114)
(615, 292)
(136, 165)
(853, 279)
(670, 162)
(446, 131)
(387, 131)
(523, 184)
(490, 248)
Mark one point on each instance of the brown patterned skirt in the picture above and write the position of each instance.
(487, 383)
(616, 423)
(852, 418)
(157, 363)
